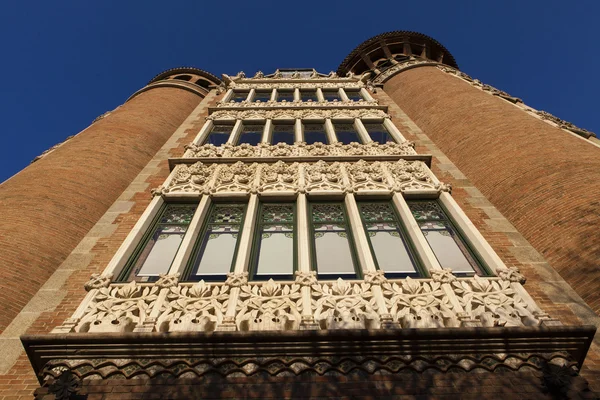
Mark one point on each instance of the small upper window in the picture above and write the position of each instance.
(331, 95)
(262, 95)
(275, 243)
(251, 134)
(333, 253)
(315, 132)
(239, 96)
(158, 248)
(308, 95)
(346, 133)
(214, 254)
(283, 133)
(379, 133)
(285, 95)
(219, 135)
(447, 244)
(354, 95)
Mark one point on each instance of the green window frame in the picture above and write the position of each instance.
(274, 219)
(431, 217)
(223, 219)
(171, 223)
(334, 218)
(381, 216)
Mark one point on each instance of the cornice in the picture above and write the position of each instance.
(190, 87)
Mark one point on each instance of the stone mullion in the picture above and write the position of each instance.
(251, 95)
(393, 130)
(203, 134)
(228, 323)
(298, 135)
(362, 131)
(320, 96)
(235, 132)
(330, 131)
(267, 131)
(227, 97)
(343, 94)
(366, 95)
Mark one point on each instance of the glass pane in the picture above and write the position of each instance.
(262, 95)
(278, 213)
(287, 95)
(306, 95)
(447, 251)
(426, 210)
(314, 133)
(283, 133)
(239, 96)
(219, 135)
(378, 133)
(373, 212)
(328, 213)
(346, 133)
(390, 251)
(251, 134)
(331, 95)
(354, 95)
(276, 254)
(333, 253)
(227, 214)
(216, 253)
(159, 252)
(176, 214)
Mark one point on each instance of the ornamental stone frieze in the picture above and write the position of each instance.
(301, 149)
(298, 104)
(361, 176)
(372, 303)
(297, 114)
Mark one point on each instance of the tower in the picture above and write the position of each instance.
(302, 234)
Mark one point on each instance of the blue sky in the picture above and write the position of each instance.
(66, 62)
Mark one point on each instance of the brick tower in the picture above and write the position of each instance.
(358, 234)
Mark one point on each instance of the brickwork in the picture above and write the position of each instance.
(49, 206)
(512, 247)
(63, 292)
(544, 180)
(403, 386)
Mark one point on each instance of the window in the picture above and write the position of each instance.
(346, 133)
(354, 95)
(239, 96)
(251, 134)
(379, 133)
(262, 95)
(308, 95)
(390, 248)
(332, 250)
(275, 251)
(448, 246)
(219, 135)
(214, 254)
(285, 95)
(331, 95)
(283, 133)
(157, 250)
(315, 132)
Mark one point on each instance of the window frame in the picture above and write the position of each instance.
(194, 254)
(358, 272)
(257, 237)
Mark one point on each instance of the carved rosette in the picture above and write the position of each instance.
(366, 176)
(411, 175)
(279, 177)
(323, 176)
(190, 178)
(238, 177)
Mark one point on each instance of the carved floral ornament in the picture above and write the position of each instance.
(375, 302)
(297, 104)
(361, 176)
(297, 114)
(300, 149)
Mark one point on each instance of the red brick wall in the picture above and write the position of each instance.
(544, 180)
(48, 207)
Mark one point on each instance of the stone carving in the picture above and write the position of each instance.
(167, 281)
(118, 308)
(442, 275)
(366, 176)
(546, 116)
(302, 149)
(298, 104)
(270, 83)
(278, 177)
(238, 177)
(411, 175)
(190, 178)
(98, 281)
(297, 114)
(493, 302)
(342, 305)
(66, 385)
(375, 277)
(200, 307)
(268, 307)
(323, 176)
(511, 274)
(306, 278)
(236, 280)
(419, 304)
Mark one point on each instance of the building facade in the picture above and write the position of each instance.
(358, 234)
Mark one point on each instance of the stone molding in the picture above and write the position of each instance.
(302, 177)
(287, 113)
(298, 104)
(373, 303)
